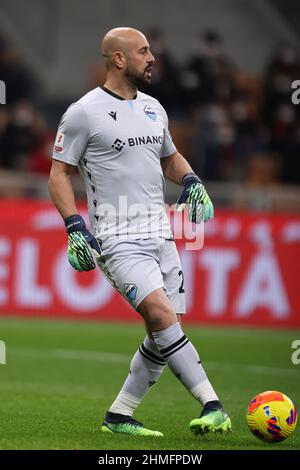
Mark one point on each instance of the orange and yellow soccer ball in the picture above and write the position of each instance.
(272, 416)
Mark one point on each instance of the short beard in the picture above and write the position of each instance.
(137, 79)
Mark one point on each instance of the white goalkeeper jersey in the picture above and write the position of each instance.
(117, 145)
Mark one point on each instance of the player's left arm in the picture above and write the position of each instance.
(176, 169)
(175, 166)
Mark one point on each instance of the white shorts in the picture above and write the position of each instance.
(138, 267)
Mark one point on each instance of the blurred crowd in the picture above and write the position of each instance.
(238, 127)
(231, 125)
(25, 139)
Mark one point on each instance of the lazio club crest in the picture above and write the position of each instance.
(130, 290)
(149, 112)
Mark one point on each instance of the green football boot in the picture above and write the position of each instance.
(116, 423)
(212, 421)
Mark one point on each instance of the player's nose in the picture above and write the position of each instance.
(151, 58)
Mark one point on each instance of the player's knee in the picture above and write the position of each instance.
(160, 317)
(157, 311)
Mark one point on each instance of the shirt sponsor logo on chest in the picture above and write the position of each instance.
(118, 144)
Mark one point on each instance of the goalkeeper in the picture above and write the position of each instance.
(118, 138)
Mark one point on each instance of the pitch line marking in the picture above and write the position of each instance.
(86, 355)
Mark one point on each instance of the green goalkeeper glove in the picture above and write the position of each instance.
(82, 245)
(195, 195)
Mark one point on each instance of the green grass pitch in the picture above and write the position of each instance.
(61, 377)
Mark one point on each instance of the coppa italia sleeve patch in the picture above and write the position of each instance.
(59, 142)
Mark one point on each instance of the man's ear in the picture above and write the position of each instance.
(119, 59)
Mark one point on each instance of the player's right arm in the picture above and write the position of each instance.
(71, 141)
(60, 188)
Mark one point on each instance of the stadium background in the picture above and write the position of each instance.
(224, 72)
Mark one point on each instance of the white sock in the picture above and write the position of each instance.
(184, 362)
(145, 369)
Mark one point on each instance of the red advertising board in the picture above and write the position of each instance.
(247, 272)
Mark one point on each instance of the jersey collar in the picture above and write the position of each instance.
(115, 94)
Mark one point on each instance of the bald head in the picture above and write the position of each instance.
(127, 57)
(120, 40)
